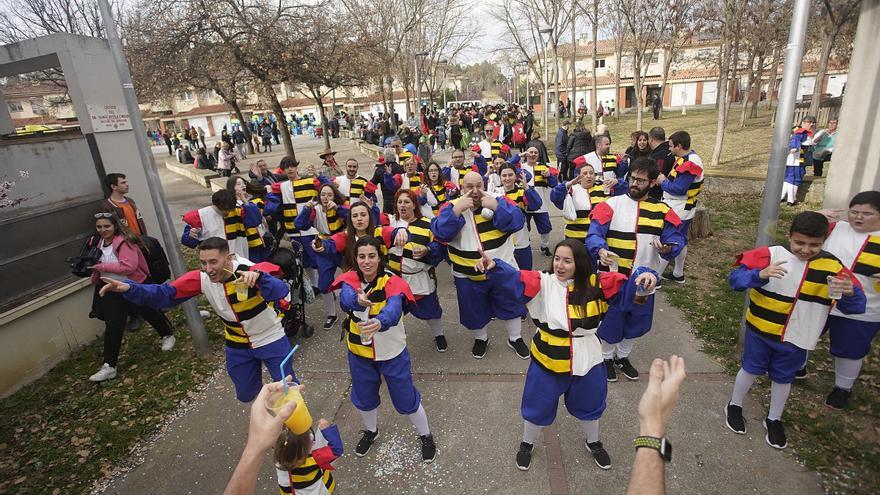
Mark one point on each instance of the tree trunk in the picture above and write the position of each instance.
(556, 77)
(637, 86)
(721, 123)
(281, 120)
(244, 127)
(320, 102)
(594, 97)
(389, 80)
(619, 105)
(748, 92)
(573, 95)
(774, 77)
(667, 63)
(827, 45)
(756, 86)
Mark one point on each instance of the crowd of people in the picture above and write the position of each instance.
(371, 246)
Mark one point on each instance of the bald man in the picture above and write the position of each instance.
(476, 222)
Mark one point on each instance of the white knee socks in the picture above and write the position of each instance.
(329, 304)
(436, 326)
(481, 334)
(678, 269)
(312, 274)
(514, 329)
(591, 430)
(744, 381)
(607, 350)
(778, 395)
(370, 418)
(624, 347)
(662, 268)
(531, 432)
(545, 240)
(846, 371)
(789, 192)
(420, 421)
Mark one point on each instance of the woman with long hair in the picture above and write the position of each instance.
(415, 262)
(375, 301)
(638, 146)
(121, 259)
(570, 303)
(245, 192)
(436, 189)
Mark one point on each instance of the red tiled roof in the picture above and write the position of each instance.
(206, 110)
(14, 91)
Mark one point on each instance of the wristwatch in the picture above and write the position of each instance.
(661, 445)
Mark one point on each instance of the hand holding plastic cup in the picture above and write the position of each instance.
(642, 293)
(241, 290)
(613, 261)
(368, 340)
(300, 420)
(835, 289)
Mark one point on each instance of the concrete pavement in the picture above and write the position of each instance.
(473, 408)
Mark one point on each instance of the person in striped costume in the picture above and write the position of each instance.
(246, 192)
(576, 198)
(292, 196)
(791, 295)
(437, 189)
(475, 222)
(515, 186)
(543, 179)
(627, 231)
(328, 215)
(611, 165)
(799, 147)
(415, 262)
(680, 190)
(856, 242)
(375, 301)
(224, 219)
(352, 185)
(568, 304)
(303, 459)
(254, 335)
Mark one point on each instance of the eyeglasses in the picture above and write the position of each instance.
(103, 215)
(641, 181)
(862, 214)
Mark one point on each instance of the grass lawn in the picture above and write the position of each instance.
(63, 433)
(745, 149)
(842, 446)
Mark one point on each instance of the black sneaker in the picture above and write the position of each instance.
(801, 373)
(610, 370)
(838, 398)
(480, 347)
(659, 283)
(775, 433)
(546, 251)
(330, 321)
(440, 342)
(429, 448)
(626, 368)
(603, 460)
(134, 323)
(734, 418)
(673, 278)
(520, 348)
(366, 442)
(524, 456)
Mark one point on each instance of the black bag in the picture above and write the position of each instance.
(157, 261)
(89, 255)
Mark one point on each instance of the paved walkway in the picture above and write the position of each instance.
(473, 408)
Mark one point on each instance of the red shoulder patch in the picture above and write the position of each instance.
(755, 259)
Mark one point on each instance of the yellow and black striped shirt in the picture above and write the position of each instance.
(244, 310)
(303, 191)
(420, 236)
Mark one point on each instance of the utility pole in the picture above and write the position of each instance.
(154, 185)
(784, 113)
(419, 86)
(528, 87)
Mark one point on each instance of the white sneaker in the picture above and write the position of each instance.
(105, 373)
(204, 314)
(168, 343)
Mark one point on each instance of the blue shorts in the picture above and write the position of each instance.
(779, 360)
(584, 395)
(523, 257)
(366, 377)
(426, 307)
(478, 302)
(542, 221)
(851, 339)
(244, 365)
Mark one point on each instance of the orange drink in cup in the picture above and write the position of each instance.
(301, 420)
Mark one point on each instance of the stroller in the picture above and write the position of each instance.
(292, 273)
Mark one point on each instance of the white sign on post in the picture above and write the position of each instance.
(106, 118)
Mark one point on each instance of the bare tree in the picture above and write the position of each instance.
(593, 15)
(765, 17)
(643, 36)
(731, 23)
(24, 19)
(445, 34)
(835, 14)
(679, 25)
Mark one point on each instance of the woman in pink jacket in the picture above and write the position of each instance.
(121, 258)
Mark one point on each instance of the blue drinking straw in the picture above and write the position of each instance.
(286, 359)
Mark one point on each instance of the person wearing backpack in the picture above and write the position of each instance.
(121, 258)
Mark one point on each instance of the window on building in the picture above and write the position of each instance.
(16, 106)
(38, 107)
(600, 63)
(187, 96)
(655, 57)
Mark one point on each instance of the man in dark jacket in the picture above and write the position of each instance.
(529, 125)
(580, 142)
(661, 154)
(561, 148)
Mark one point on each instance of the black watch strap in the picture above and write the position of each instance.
(661, 445)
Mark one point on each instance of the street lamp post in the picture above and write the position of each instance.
(546, 76)
(419, 82)
(528, 86)
(444, 63)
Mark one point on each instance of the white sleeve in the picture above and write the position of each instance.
(568, 211)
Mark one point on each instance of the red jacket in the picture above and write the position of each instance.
(131, 263)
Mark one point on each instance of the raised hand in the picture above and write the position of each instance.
(659, 399)
(774, 270)
(248, 278)
(363, 299)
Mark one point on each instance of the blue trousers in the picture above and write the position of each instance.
(366, 377)
(426, 307)
(584, 395)
(243, 366)
(779, 360)
(542, 222)
(478, 302)
(523, 258)
(851, 339)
